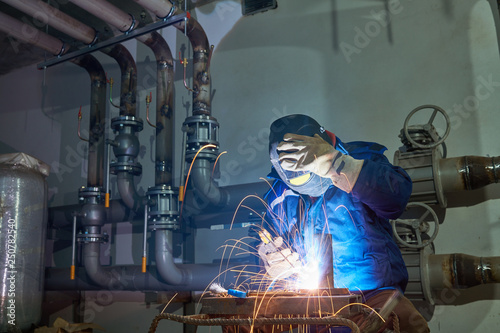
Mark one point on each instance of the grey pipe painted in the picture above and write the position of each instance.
(128, 192)
(131, 278)
(166, 267)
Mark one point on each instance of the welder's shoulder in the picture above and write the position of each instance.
(366, 150)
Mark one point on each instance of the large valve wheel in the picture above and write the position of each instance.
(427, 126)
(417, 227)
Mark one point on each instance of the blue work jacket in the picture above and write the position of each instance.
(365, 255)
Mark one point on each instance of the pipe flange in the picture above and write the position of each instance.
(89, 193)
(163, 207)
(202, 130)
(118, 123)
(134, 168)
(86, 238)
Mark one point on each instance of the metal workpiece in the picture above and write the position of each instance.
(468, 172)
(202, 130)
(274, 322)
(283, 303)
(126, 144)
(23, 207)
(462, 271)
(163, 208)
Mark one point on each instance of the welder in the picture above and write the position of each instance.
(349, 190)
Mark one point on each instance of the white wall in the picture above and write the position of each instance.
(339, 61)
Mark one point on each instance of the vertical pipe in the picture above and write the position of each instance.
(95, 176)
(164, 107)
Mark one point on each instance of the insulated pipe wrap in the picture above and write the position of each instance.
(23, 213)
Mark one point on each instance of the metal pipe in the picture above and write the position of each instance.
(166, 266)
(95, 177)
(128, 191)
(55, 18)
(462, 271)
(128, 70)
(108, 13)
(31, 35)
(201, 49)
(468, 172)
(131, 278)
(164, 107)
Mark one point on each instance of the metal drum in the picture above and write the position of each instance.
(23, 211)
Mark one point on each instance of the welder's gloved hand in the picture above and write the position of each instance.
(313, 154)
(279, 262)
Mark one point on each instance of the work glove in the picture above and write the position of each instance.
(313, 154)
(279, 262)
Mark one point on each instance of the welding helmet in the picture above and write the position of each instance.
(303, 182)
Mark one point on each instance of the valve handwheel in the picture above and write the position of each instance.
(428, 126)
(418, 227)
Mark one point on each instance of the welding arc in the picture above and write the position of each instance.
(204, 320)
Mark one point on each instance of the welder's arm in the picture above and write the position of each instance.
(313, 154)
(279, 262)
(383, 187)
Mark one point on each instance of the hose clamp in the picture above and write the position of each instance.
(63, 49)
(170, 13)
(132, 26)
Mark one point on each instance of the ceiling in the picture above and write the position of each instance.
(16, 54)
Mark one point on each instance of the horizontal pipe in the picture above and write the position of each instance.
(462, 271)
(468, 172)
(131, 278)
(107, 12)
(31, 35)
(55, 18)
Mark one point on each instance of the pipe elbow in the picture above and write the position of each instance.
(128, 191)
(165, 264)
(205, 187)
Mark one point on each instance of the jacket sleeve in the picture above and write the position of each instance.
(383, 187)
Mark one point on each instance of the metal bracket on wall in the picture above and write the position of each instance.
(114, 40)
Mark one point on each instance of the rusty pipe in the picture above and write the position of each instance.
(468, 172)
(164, 107)
(55, 18)
(128, 70)
(107, 12)
(462, 271)
(201, 50)
(95, 175)
(31, 35)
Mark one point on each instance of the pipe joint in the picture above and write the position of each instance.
(163, 208)
(127, 146)
(201, 130)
